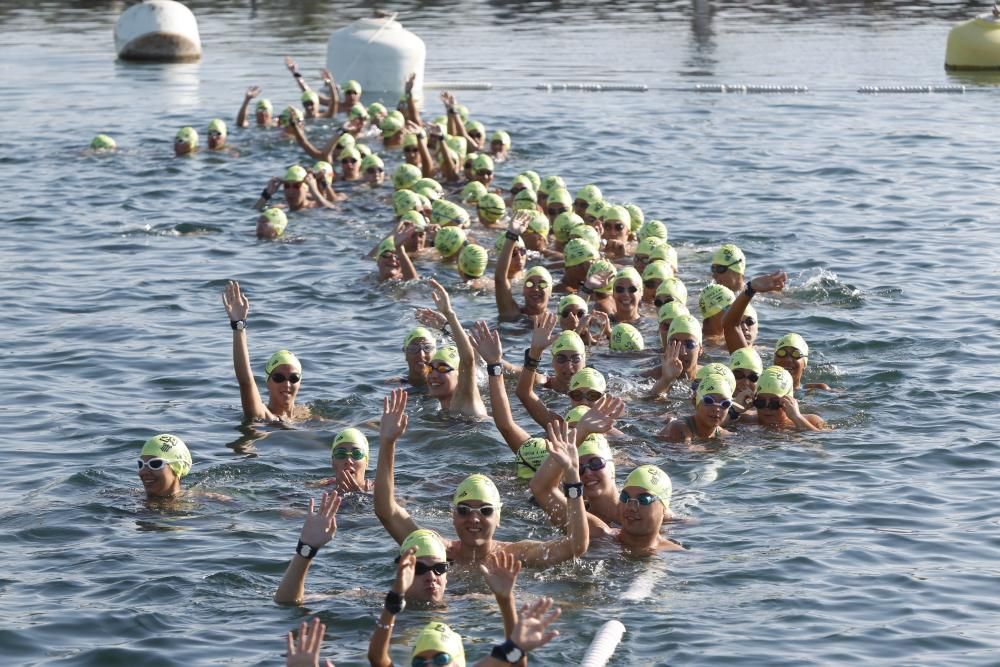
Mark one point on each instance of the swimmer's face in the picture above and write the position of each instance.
(418, 355)
(264, 118)
(574, 275)
(596, 483)
(626, 294)
(351, 98)
(614, 230)
(158, 483)
(388, 266)
(265, 230)
(746, 386)
(730, 279)
(442, 380)
(428, 656)
(637, 519)
(690, 350)
(295, 193)
(349, 466)
(712, 413)
(788, 361)
(748, 325)
(473, 528)
(375, 175)
(484, 176)
(534, 241)
(286, 390)
(416, 242)
(536, 292)
(584, 396)
(570, 316)
(430, 586)
(770, 412)
(567, 363)
(580, 208)
(517, 259)
(216, 140)
(182, 147)
(350, 167)
(412, 155)
(497, 148)
(310, 109)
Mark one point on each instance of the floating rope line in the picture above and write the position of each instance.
(877, 90)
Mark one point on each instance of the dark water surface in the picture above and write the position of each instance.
(875, 543)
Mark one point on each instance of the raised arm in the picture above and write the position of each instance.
(529, 633)
(541, 337)
(671, 368)
(506, 305)
(412, 113)
(299, 132)
(238, 307)
(378, 646)
(304, 651)
(269, 191)
(318, 196)
(293, 68)
(769, 282)
(487, 343)
(466, 398)
(317, 531)
(241, 116)
(333, 101)
(393, 516)
(405, 263)
(500, 572)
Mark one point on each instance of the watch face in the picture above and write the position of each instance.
(514, 654)
(241, 325)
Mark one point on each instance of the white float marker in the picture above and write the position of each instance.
(603, 645)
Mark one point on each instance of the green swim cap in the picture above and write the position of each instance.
(501, 136)
(657, 270)
(264, 104)
(525, 200)
(715, 368)
(188, 135)
(750, 311)
(377, 109)
(666, 253)
(603, 266)
(550, 183)
(714, 299)
(572, 300)
(431, 184)
(653, 480)
(564, 224)
(477, 487)
(388, 244)
(652, 228)
(502, 240)
(290, 112)
(323, 167)
(618, 214)
(560, 196)
(626, 338)
(521, 181)
(295, 174)
(587, 233)
(776, 381)
(793, 340)
(404, 201)
(459, 145)
(405, 176)
(170, 448)
(448, 355)
(449, 214)
(358, 111)
(410, 140)
(578, 251)
(596, 444)
(596, 209)
(346, 140)
(530, 457)
(276, 218)
(310, 96)
(472, 260)
(589, 193)
(685, 324)
(417, 333)
(439, 638)
(482, 162)
(428, 544)
(352, 86)
(636, 215)
(348, 153)
(568, 341)
(539, 273)
(630, 274)
(538, 224)
(449, 240)
(472, 191)
(731, 256)
(670, 310)
(531, 175)
(391, 124)
(372, 160)
(673, 287)
(427, 192)
(103, 142)
(476, 125)
(574, 415)
(588, 378)
(350, 436)
(746, 358)
(463, 112)
(281, 358)
(647, 245)
(491, 207)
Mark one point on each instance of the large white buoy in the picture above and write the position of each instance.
(974, 44)
(158, 31)
(379, 54)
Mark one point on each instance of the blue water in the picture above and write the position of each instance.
(874, 543)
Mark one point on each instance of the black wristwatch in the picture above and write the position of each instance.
(750, 290)
(494, 370)
(394, 602)
(305, 550)
(573, 490)
(586, 290)
(511, 236)
(508, 652)
(238, 325)
(529, 361)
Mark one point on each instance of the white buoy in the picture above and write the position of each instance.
(158, 31)
(604, 644)
(379, 54)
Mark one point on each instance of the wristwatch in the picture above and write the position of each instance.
(305, 550)
(238, 325)
(394, 602)
(750, 290)
(495, 370)
(508, 652)
(573, 490)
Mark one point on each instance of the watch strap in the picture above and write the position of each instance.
(495, 370)
(394, 602)
(750, 290)
(238, 325)
(511, 236)
(529, 361)
(307, 551)
(508, 652)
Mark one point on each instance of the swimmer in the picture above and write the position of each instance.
(418, 347)
(616, 227)
(283, 370)
(393, 260)
(713, 302)
(653, 276)
(271, 224)
(627, 295)
(776, 405)
(374, 170)
(415, 151)
(456, 123)
(263, 111)
(499, 145)
(573, 314)
(163, 461)
(537, 280)
(342, 139)
(472, 261)
(641, 258)
(712, 402)
(318, 529)
(728, 266)
(392, 129)
(349, 458)
(350, 164)
(186, 141)
(217, 134)
(331, 101)
(746, 366)
(579, 255)
(103, 143)
(300, 191)
(476, 507)
(681, 353)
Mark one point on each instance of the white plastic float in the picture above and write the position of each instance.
(604, 644)
(379, 53)
(975, 44)
(158, 31)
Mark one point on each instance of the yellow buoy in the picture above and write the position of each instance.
(974, 44)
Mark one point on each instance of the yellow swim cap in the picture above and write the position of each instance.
(372, 161)
(405, 200)
(276, 218)
(653, 228)
(323, 167)
(472, 260)
(521, 181)
(670, 310)
(439, 638)
(405, 176)
(564, 224)
(501, 136)
(626, 338)
(264, 104)
(281, 358)
(715, 368)
(685, 324)
(449, 214)
(188, 135)
(657, 270)
(449, 240)
(568, 341)
(346, 140)
(502, 240)
(416, 334)
(428, 544)
(349, 153)
(714, 299)
(589, 194)
(472, 191)
(715, 384)
(572, 300)
(550, 183)
(646, 246)
(309, 96)
(463, 112)
(536, 180)
(538, 224)
(618, 214)
(588, 378)
(295, 174)
(391, 124)
(525, 200)
(530, 457)
(475, 125)
(673, 287)
(595, 444)
(746, 358)
(731, 256)
(603, 266)
(286, 116)
(363, 150)
(793, 340)
(596, 209)
(352, 86)
(541, 274)
(427, 182)
(103, 142)
(482, 162)
(477, 487)
(653, 480)
(637, 217)
(460, 146)
(170, 448)
(575, 414)
(377, 109)
(351, 436)
(587, 233)
(491, 207)
(358, 111)
(775, 380)
(630, 274)
(560, 196)
(448, 355)
(578, 251)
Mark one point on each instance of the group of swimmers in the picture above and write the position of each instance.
(617, 276)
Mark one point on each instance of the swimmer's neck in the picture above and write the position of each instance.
(284, 410)
(169, 494)
(472, 553)
(644, 542)
(703, 429)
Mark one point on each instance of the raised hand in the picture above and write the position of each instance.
(394, 419)
(273, 186)
(349, 484)
(594, 318)
(291, 64)
(320, 527)
(519, 222)
(409, 83)
(448, 99)
(486, 342)
(430, 318)
(304, 651)
(500, 573)
(252, 92)
(769, 282)
(601, 418)
(440, 296)
(531, 630)
(236, 303)
(405, 571)
(544, 333)
(562, 444)
(327, 77)
(791, 407)
(671, 366)
(600, 279)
